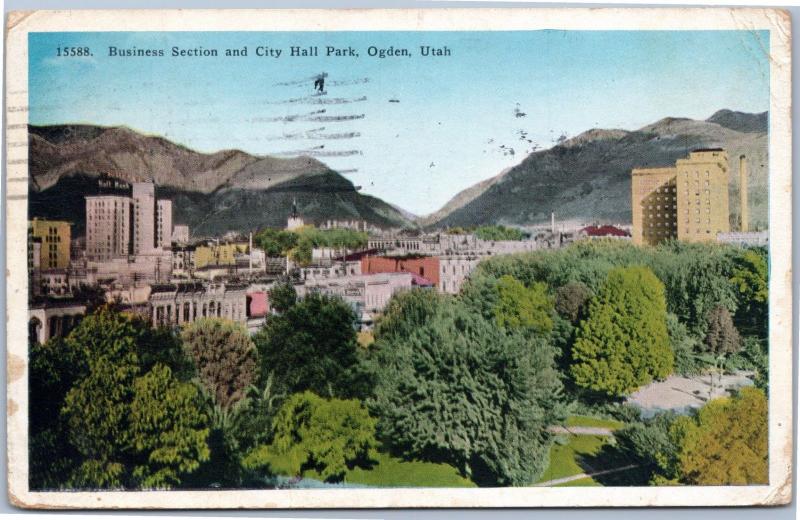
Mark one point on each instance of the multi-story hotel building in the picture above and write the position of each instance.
(164, 224)
(127, 221)
(688, 201)
(109, 219)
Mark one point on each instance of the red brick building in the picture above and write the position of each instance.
(424, 266)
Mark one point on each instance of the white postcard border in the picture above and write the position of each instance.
(19, 24)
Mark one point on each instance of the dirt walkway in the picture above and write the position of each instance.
(581, 430)
(580, 476)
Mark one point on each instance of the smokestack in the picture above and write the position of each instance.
(553, 222)
(743, 193)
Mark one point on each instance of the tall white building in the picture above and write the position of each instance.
(118, 225)
(144, 214)
(164, 224)
(108, 226)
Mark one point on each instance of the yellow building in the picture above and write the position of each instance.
(688, 201)
(55, 238)
(703, 195)
(655, 209)
(218, 254)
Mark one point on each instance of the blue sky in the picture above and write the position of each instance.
(453, 113)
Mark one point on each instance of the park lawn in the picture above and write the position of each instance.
(564, 459)
(584, 482)
(593, 422)
(393, 472)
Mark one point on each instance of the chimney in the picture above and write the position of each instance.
(743, 193)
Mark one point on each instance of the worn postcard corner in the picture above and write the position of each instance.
(399, 258)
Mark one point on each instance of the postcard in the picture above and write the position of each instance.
(399, 258)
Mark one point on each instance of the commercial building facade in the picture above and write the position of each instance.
(54, 237)
(687, 202)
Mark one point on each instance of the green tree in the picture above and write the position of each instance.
(275, 242)
(750, 278)
(167, 431)
(623, 343)
(572, 299)
(110, 375)
(721, 335)
(651, 445)
(309, 432)
(687, 361)
(282, 296)
(451, 386)
(54, 368)
(225, 358)
(523, 307)
(498, 233)
(726, 442)
(312, 346)
(226, 361)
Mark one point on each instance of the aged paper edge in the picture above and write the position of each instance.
(19, 24)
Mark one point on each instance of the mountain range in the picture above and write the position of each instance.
(213, 193)
(585, 178)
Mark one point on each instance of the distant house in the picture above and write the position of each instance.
(606, 231)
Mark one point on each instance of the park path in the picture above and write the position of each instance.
(580, 476)
(581, 430)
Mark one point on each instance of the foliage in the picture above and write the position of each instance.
(721, 335)
(309, 238)
(651, 445)
(571, 300)
(54, 368)
(754, 355)
(299, 243)
(282, 296)
(312, 346)
(623, 344)
(113, 377)
(498, 233)
(225, 358)
(523, 307)
(275, 242)
(696, 277)
(684, 345)
(452, 387)
(750, 278)
(310, 432)
(726, 442)
(166, 429)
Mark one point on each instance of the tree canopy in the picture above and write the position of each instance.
(275, 242)
(721, 334)
(572, 299)
(523, 307)
(498, 233)
(225, 358)
(726, 442)
(131, 424)
(309, 432)
(623, 343)
(452, 387)
(312, 346)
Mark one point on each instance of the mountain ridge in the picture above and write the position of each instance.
(214, 192)
(587, 177)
